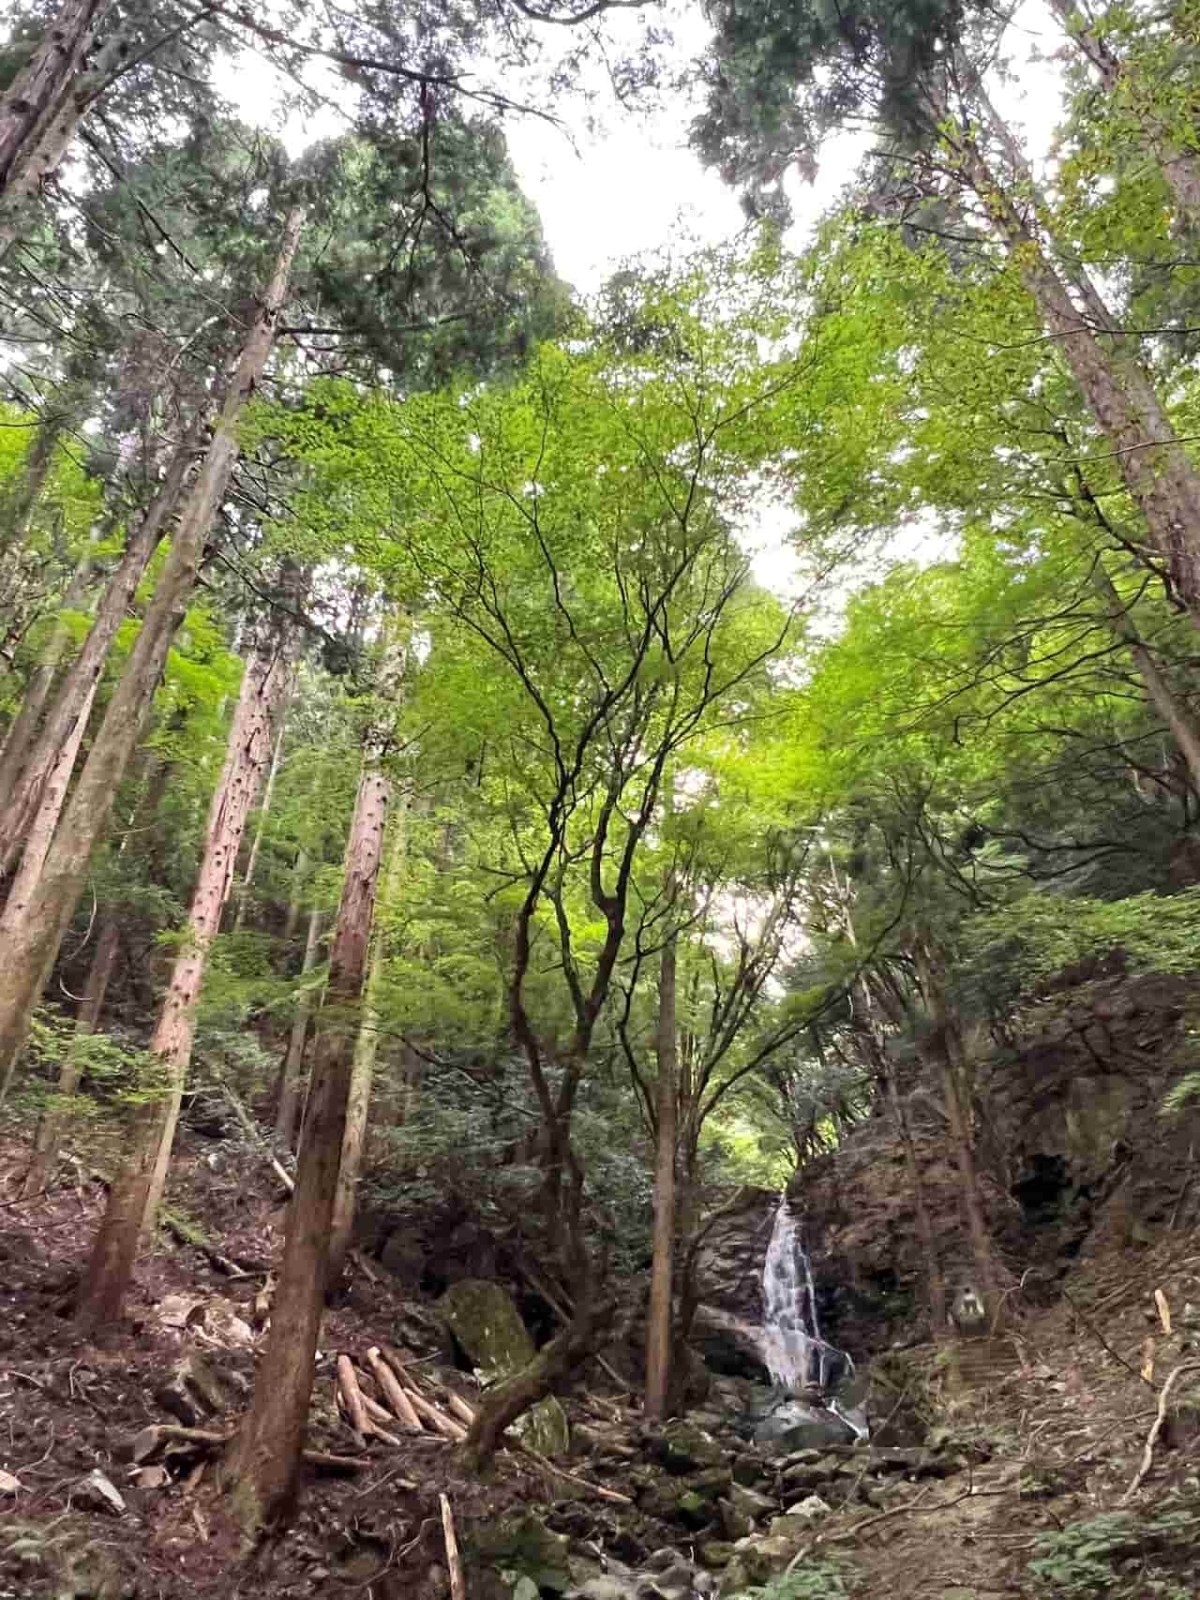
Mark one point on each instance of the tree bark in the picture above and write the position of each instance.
(1156, 471)
(29, 103)
(50, 1128)
(134, 1194)
(291, 1072)
(41, 834)
(23, 728)
(366, 1050)
(1180, 168)
(658, 1317)
(1173, 711)
(28, 953)
(264, 812)
(935, 1281)
(262, 1466)
(21, 786)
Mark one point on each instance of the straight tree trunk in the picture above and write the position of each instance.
(261, 1470)
(50, 1128)
(21, 786)
(1157, 472)
(1173, 711)
(41, 834)
(1180, 168)
(291, 1071)
(53, 1120)
(366, 1051)
(56, 61)
(28, 954)
(658, 1319)
(134, 1194)
(264, 812)
(23, 728)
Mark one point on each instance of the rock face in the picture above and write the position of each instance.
(485, 1322)
(1073, 1154)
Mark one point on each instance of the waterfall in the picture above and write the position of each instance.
(796, 1355)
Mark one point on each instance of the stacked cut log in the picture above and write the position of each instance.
(399, 1400)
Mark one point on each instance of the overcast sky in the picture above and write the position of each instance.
(618, 182)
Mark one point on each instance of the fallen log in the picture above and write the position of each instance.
(445, 1425)
(352, 1396)
(393, 1391)
(206, 1441)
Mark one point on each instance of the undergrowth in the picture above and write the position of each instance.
(1120, 1556)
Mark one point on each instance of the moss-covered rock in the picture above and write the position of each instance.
(486, 1323)
(523, 1548)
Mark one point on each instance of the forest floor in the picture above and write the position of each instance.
(1037, 1438)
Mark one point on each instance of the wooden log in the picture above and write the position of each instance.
(461, 1409)
(393, 1391)
(445, 1425)
(458, 1583)
(352, 1395)
(378, 1416)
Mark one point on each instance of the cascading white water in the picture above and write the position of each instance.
(795, 1353)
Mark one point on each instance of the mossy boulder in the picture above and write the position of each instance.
(482, 1317)
(521, 1547)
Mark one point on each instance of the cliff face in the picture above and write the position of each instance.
(1075, 1158)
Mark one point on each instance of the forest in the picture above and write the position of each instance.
(599, 891)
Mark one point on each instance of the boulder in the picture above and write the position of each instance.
(192, 1392)
(750, 1502)
(798, 1425)
(682, 1447)
(485, 1322)
(522, 1545)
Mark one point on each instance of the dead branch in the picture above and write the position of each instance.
(1156, 1428)
(458, 1583)
(611, 1495)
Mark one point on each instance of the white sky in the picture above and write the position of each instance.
(617, 182)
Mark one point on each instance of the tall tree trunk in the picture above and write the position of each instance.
(23, 728)
(41, 834)
(57, 60)
(1156, 471)
(262, 1466)
(40, 117)
(20, 499)
(1184, 729)
(1180, 167)
(134, 1193)
(108, 940)
(53, 1120)
(28, 954)
(658, 1318)
(21, 786)
(264, 812)
(291, 1071)
(366, 1050)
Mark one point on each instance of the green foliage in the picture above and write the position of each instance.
(811, 1580)
(1119, 1555)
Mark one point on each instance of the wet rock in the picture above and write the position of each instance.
(715, 1553)
(681, 1447)
(794, 1525)
(751, 1469)
(750, 1502)
(797, 1425)
(484, 1320)
(735, 1524)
